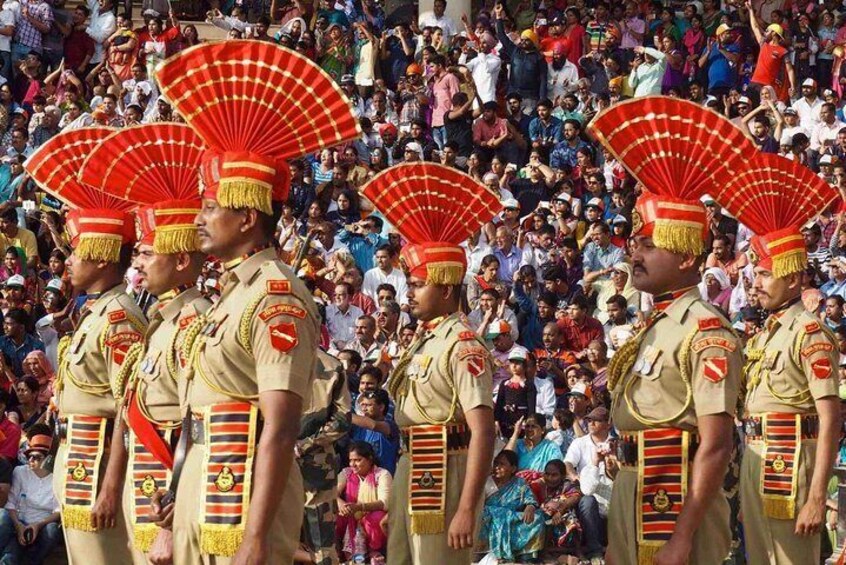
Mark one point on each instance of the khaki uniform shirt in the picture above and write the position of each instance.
(689, 336)
(325, 421)
(157, 370)
(449, 372)
(788, 367)
(261, 335)
(105, 331)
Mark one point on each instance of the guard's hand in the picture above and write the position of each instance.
(460, 535)
(161, 515)
(810, 518)
(104, 513)
(675, 552)
(253, 551)
(161, 553)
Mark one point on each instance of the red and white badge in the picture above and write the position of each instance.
(715, 369)
(283, 336)
(476, 365)
(821, 368)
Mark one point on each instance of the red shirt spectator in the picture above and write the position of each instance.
(579, 329)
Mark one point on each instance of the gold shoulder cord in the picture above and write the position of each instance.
(804, 394)
(128, 370)
(684, 370)
(189, 340)
(245, 325)
(443, 366)
(623, 360)
(90, 388)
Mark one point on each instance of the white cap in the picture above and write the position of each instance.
(518, 353)
(16, 280)
(710, 100)
(414, 146)
(510, 203)
(825, 160)
(578, 388)
(619, 219)
(809, 82)
(596, 203)
(55, 285)
(744, 100)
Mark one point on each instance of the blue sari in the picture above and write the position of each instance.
(541, 454)
(502, 522)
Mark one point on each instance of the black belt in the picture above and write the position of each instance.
(458, 437)
(754, 426)
(627, 449)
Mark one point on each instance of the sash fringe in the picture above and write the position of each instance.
(143, 536)
(646, 553)
(220, 541)
(779, 508)
(77, 518)
(423, 523)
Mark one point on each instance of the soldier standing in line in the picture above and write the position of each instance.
(442, 385)
(251, 367)
(792, 417)
(169, 262)
(91, 460)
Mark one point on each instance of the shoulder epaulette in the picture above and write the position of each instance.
(117, 316)
(709, 324)
(812, 327)
(466, 335)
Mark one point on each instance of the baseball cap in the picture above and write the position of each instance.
(598, 414)
(809, 82)
(578, 388)
(744, 100)
(414, 146)
(825, 160)
(55, 285)
(721, 29)
(563, 197)
(711, 100)
(498, 328)
(790, 111)
(15, 281)
(518, 354)
(39, 442)
(510, 203)
(827, 92)
(707, 200)
(619, 219)
(595, 203)
(347, 79)
(776, 29)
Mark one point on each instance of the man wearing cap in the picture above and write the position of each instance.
(442, 382)
(791, 403)
(809, 105)
(772, 58)
(253, 358)
(349, 88)
(721, 57)
(528, 66)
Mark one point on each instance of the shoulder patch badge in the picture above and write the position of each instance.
(117, 316)
(709, 324)
(471, 351)
(476, 365)
(812, 327)
(811, 349)
(186, 321)
(821, 368)
(706, 342)
(282, 309)
(283, 336)
(278, 287)
(715, 369)
(467, 334)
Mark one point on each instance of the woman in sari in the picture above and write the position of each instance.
(619, 283)
(558, 498)
(483, 280)
(29, 410)
(123, 47)
(511, 524)
(534, 451)
(716, 288)
(37, 366)
(363, 491)
(335, 53)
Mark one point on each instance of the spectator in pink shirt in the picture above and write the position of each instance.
(489, 130)
(444, 87)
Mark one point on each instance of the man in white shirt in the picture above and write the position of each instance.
(491, 310)
(580, 457)
(808, 107)
(485, 68)
(475, 250)
(384, 272)
(100, 27)
(437, 18)
(7, 30)
(545, 398)
(824, 133)
(562, 75)
(341, 317)
(792, 124)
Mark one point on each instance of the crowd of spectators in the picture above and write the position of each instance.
(504, 94)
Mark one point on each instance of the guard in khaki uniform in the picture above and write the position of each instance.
(326, 420)
(251, 358)
(91, 459)
(675, 384)
(792, 408)
(157, 166)
(442, 385)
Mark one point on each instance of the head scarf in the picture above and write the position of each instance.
(719, 274)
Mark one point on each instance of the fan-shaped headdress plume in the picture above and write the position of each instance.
(774, 197)
(255, 105)
(98, 223)
(157, 166)
(434, 208)
(679, 151)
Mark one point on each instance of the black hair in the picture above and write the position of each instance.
(18, 315)
(558, 464)
(355, 356)
(373, 371)
(580, 301)
(619, 300)
(509, 456)
(365, 450)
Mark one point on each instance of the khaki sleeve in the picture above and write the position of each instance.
(716, 361)
(819, 359)
(472, 373)
(119, 337)
(284, 341)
